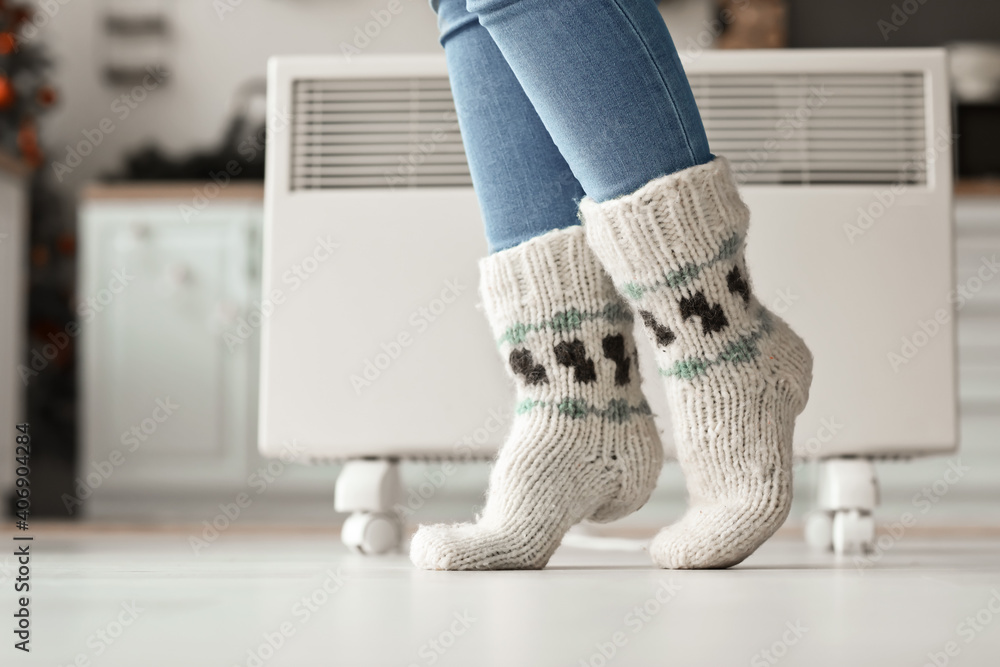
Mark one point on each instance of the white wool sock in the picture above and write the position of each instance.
(583, 444)
(736, 374)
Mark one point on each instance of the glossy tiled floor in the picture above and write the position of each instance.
(145, 599)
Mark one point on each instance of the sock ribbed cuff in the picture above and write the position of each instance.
(554, 281)
(670, 228)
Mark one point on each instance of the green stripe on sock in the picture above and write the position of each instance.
(739, 351)
(526, 406)
(685, 274)
(618, 410)
(567, 320)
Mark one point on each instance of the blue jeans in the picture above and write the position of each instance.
(561, 98)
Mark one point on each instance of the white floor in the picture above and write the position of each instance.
(144, 599)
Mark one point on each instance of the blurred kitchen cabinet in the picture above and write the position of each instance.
(160, 283)
(977, 301)
(167, 285)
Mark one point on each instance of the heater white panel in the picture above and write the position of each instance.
(810, 170)
(380, 351)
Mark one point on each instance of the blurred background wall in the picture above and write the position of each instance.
(212, 50)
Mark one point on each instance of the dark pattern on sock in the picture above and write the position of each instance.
(712, 317)
(614, 349)
(574, 355)
(664, 336)
(737, 285)
(522, 363)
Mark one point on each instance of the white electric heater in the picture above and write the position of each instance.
(373, 349)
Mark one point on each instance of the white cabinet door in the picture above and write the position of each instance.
(166, 402)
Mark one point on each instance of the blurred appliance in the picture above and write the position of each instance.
(844, 158)
(975, 71)
(977, 130)
(975, 76)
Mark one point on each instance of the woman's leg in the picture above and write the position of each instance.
(667, 222)
(583, 443)
(606, 80)
(523, 184)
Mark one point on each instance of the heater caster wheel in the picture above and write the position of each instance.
(853, 532)
(819, 531)
(371, 533)
(847, 495)
(369, 489)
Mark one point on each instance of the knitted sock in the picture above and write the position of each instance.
(583, 444)
(736, 374)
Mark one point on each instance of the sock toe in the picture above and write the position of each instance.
(477, 547)
(720, 536)
(433, 547)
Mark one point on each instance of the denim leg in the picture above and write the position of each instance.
(524, 185)
(605, 78)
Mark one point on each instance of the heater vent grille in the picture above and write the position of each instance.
(818, 128)
(375, 133)
(776, 128)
